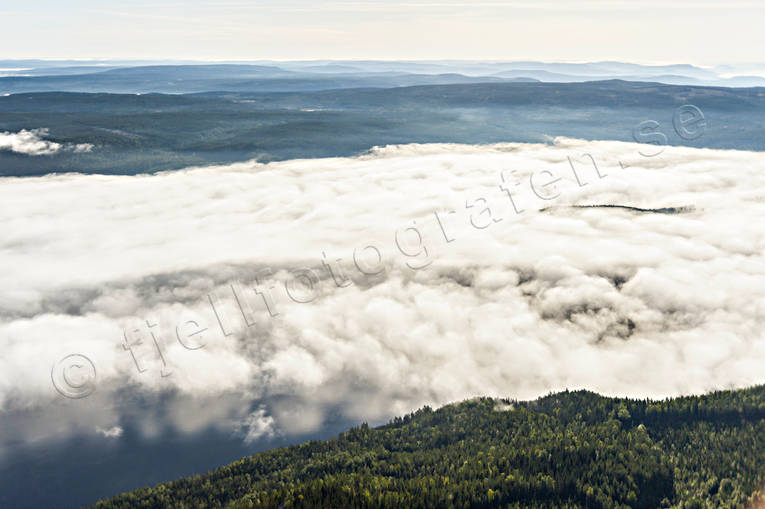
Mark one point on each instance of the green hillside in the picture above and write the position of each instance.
(571, 449)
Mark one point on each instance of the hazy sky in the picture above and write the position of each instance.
(654, 31)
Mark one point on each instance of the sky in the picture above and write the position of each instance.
(701, 32)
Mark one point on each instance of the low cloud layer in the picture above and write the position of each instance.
(32, 143)
(262, 298)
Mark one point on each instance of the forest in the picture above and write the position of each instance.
(148, 133)
(568, 449)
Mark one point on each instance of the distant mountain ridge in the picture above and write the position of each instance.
(273, 76)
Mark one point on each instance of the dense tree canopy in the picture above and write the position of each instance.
(571, 449)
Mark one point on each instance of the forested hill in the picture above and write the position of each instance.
(571, 449)
(133, 133)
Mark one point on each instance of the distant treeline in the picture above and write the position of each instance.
(147, 133)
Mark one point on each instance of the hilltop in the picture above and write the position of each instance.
(570, 449)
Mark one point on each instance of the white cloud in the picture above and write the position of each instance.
(28, 142)
(258, 425)
(113, 432)
(31, 142)
(611, 299)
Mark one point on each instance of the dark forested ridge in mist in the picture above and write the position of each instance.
(570, 449)
(136, 133)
